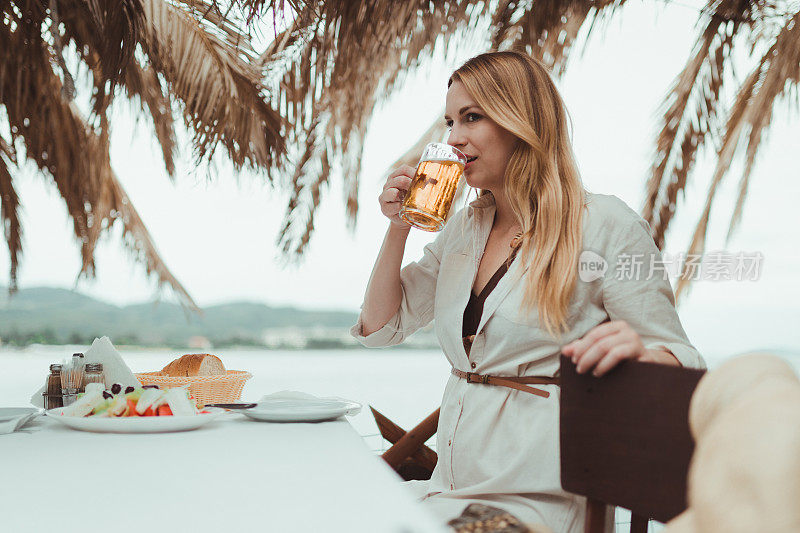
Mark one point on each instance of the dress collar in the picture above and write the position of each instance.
(486, 200)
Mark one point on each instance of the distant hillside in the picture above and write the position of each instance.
(60, 316)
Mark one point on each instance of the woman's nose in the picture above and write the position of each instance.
(456, 138)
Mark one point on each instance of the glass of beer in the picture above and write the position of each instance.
(433, 188)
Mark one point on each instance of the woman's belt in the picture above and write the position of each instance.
(518, 383)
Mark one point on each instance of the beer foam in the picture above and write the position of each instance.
(441, 160)
(442, 152)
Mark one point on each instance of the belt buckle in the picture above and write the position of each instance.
(482, 378)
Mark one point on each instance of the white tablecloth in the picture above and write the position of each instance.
(233, 475)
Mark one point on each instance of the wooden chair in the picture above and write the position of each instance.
(625, 440)
(408, 455)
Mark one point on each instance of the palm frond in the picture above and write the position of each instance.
(733, 128)
(7, 150)
(691, 116)
(257, 9)
(782, 73)
(9, 204)
(109, 31)
(226, 23)
(80, 168)
(778, 69)
(547, 29)
(221, 92)
(302, 220)
(143, 83)
(55, 23)
(36, 111)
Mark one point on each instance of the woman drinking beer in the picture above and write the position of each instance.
(526, 272)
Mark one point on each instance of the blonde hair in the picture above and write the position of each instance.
(542, 181)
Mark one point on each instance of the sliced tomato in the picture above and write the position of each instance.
(149, 412)
(164, 410)
(131, 408)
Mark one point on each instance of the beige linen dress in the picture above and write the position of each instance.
(496, 445)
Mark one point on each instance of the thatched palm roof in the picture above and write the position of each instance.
(298, 110)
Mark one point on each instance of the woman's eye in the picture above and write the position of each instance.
(448, 123)
(473, 117)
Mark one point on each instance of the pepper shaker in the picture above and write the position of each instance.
(52, 389)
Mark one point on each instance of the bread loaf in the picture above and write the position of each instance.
(197, 364)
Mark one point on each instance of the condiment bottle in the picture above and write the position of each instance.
(52, 390)
(93, 373)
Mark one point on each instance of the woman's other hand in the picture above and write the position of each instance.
(394, 190)
(608, 344)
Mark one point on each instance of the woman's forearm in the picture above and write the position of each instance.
(384, 293)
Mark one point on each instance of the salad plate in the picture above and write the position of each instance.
(134, 424)
(301, 409)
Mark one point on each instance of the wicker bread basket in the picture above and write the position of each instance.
(224, 388)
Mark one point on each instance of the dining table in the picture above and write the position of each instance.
(233, 474)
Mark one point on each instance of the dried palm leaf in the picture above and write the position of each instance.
(110, 31)
(36, 111)
(7, 150)
(144, 83)
(12, 231)
(778, 69)
(257, 9)
(225, 23)
(80, 168)
(691, 116)
(547, 29)
(733, 129)
(221, 92)
(299, 188)
(782, 74)
(195, 50)
(55, 22)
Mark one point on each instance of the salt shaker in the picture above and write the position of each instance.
(93, 373)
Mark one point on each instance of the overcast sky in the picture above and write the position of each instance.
(218, 237)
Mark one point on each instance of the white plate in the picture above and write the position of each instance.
(134, 424)
(9, 413)
(300, 410)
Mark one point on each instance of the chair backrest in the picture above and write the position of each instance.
(625, 437)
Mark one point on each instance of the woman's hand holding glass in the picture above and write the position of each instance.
(607, 345)
(394, 190)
